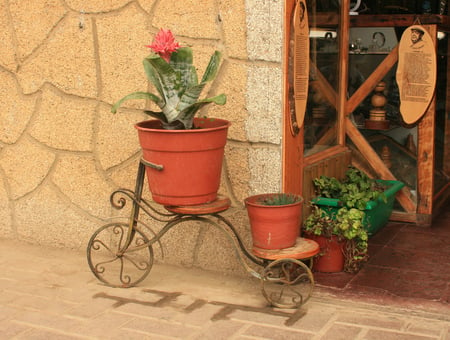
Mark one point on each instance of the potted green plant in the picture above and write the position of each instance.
(183, 154)
(342, 239)
(357, 190)
(275, 219)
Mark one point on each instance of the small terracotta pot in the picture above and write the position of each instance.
(331, 258)
(273, 226)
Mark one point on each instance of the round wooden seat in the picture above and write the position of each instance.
(222, 203)
(303, 249)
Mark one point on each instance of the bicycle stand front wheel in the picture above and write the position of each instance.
(116, 263)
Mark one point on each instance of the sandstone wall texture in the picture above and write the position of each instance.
(63, 63)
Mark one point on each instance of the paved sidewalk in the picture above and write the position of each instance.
(51, 294)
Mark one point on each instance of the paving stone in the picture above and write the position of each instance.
(277, 333)
(139, 310)
(91, 309)
(315, 318)
(46, 334)
(103, 325)
(161, 327)
(259, 317)
(375, 334)
(42, 320)
(342, 332)
(426, 327)
(371, 320)
(179, 303)
(10, 329)
(40, 304)
(201, 316)
(221, 329)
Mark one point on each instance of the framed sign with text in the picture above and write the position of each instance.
(301, 61)
(416, 72)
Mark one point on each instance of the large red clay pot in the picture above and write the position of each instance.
(273, 226)
(331, 258)
(191, 160)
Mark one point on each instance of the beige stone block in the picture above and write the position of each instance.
(95, 6)
(217, 252)
(179, 244)
(26, 165)
(66, 60)
(188, 18)
(237, 171)
(46, 218)
(78, 178)
(264, 104)
(147, 5)
(264, 30)
(64, 122)
(232, 81)
(6, 227)
(7, 52)
(233, 20)
(265, 165)
(122, 37)
(117, 139)
(124, 175)
(15, 109)
(33, 21)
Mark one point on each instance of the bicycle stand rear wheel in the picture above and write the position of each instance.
(287, 283)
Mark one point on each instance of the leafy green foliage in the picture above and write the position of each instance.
(355, 190)
(346, 224)
(320, 223)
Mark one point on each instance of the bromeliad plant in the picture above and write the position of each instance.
(169, 68)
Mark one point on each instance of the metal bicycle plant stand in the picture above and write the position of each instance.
(121, 254)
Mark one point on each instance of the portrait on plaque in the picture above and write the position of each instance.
(416, 72)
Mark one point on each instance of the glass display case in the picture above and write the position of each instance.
(353, 68)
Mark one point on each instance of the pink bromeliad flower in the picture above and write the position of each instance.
(164, 44)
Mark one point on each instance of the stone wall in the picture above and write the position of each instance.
(62, 152)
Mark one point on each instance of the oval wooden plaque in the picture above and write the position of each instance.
(416, 72)
(301, 60)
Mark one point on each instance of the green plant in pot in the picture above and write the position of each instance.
(275, 219)
(342, 238)
(183, 154)
(357, 190)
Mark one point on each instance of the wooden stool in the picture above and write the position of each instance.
(220, 204)
(304, 248)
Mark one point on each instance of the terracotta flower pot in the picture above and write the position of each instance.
(273, 226)
(331, 258)
(187, 163)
